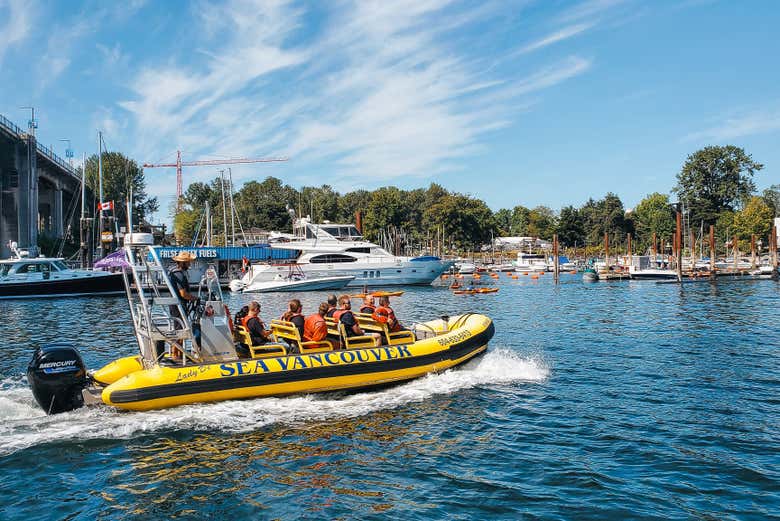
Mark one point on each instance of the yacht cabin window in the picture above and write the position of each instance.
(332, 258)
(341, 232)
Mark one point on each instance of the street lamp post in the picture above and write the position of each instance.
(32, 213)
(68, 152)
(31, 124)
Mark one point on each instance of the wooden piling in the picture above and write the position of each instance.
(629, 249)
(712, 252)
(773, 242)
(655, 249)
(693, 251)
(678, 240)
(753, 251)
(734, 253)
(606, 250)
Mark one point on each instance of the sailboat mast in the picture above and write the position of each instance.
(100, 193)
(232, 206)
(82, 222)
(224, 207)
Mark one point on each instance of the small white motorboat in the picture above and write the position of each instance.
(294, 280)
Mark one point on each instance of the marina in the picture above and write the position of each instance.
(638, 399)
(389, 261)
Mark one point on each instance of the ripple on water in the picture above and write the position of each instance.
(601, 401)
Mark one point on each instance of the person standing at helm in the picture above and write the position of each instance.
(177, 274)
(345, 316)
(368, 305)
(385, 314)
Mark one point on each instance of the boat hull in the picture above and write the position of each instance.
(164, 386)
(98, 284)
(324, 283)
(374, 274)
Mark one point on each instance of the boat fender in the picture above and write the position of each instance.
(57, 376)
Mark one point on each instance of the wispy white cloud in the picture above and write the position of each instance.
(589, 9)
(561, 34)
(59, 49)
(15, 23)
(551, 75)
(377, 91)
(737, 126)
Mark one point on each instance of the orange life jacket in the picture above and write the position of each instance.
(386, 315)
(315, 328)
(244, 321)
(337, 314)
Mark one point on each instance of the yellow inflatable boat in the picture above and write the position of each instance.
(191, 354)
(129, 383)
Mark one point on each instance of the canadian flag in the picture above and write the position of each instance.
(108, 205)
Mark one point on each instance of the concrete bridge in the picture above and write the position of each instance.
(36, 188)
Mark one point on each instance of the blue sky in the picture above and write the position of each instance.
(529, 102)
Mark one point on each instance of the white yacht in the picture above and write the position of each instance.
(327, 250)
(465, 267)
(34, 277)
(530, 262)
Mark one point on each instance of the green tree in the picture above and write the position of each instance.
(771, 197)
(541, 222)
(322, 202)
(121, 175)
(520, 220)
(570, 228)
(503, 219)
(653, 214)
(754, 219)
(351, 202)
(264, 205)
(466, 222)
(184, 225)
(385, 209)
(604, 216)
(724, 227)
(716, 179)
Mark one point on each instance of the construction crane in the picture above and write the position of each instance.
(208, 162)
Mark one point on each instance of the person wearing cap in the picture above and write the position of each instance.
(178, 277)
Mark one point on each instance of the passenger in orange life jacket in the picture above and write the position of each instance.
(385, 314)
(315, 328)
(332, 301)
(252, 322)
(345, 316)
(294, 315)
(368, 305)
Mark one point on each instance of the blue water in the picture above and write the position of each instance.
(596, 401)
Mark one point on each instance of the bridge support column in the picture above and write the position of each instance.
(27, 208)
(57, 217)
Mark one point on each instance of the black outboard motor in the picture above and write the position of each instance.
(57, 375)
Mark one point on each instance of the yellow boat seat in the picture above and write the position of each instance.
(262, 350)
(355, 342)
(282, 329)
(367, 323)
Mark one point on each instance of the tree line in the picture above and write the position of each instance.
(714, 186)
